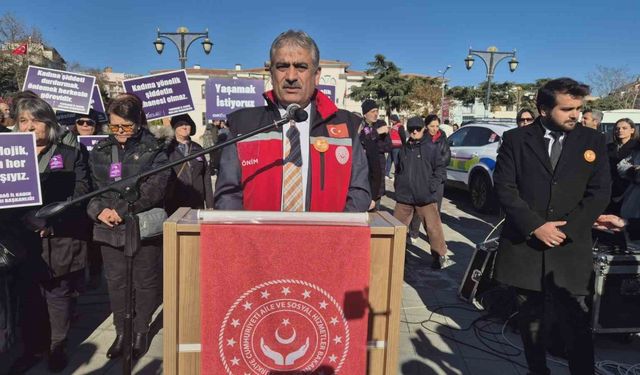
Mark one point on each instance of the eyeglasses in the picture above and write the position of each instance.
(127, 128)
(413, 130)
(525, 119)
(86, 122)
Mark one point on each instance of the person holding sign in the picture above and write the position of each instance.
(128, 151)
(192, 186)
(57, 246)
(313, 165)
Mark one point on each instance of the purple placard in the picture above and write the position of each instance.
(68, 118)
(90, 140)
(225, 95)
(64, 91)
(329, 91)
(162, 95)
(19, 177)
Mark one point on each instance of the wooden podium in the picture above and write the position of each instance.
(181, 311)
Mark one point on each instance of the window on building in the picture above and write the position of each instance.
(203, 89)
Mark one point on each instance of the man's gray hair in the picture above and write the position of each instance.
(296, 38)
(597, 115)
(41, 111)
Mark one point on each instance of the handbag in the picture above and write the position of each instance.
(150, 221)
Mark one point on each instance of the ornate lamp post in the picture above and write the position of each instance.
(491, 57)
(442, 73)
(183, 39)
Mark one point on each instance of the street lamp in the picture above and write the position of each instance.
(491, 57)
(442, 73)
(183, 39)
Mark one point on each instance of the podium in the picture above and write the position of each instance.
(181, 300)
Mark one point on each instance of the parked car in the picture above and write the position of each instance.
(474, 148)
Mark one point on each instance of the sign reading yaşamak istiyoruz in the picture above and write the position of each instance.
(64, 91)
(162, 95)
(225, 95)
(19, 177)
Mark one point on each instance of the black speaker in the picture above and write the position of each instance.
(478, 277)
(616, 294)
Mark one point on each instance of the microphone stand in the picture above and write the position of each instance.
(128, 189)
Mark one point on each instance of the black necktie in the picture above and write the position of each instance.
(556, 148)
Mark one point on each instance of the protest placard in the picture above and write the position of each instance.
(328, 90)
(225, 95)
(64, 91)
(162, 95)
(68, 118)
(90, 140)
(19, 177)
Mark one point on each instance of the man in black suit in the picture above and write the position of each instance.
(552, 178)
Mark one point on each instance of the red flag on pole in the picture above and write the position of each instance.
(284, 299)
(20, 50)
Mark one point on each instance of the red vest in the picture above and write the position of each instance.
(330, 160)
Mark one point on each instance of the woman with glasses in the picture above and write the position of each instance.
(56, 246)
(421, 170)
(439, 139)
(129, 150)
(525, 117)
(86, 124)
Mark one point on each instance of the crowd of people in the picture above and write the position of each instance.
(553, 179)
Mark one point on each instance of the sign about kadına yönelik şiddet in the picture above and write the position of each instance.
(64, 91)
(162, 95)
(225, 95)
(19, 177)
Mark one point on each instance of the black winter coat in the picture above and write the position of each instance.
(531, 193)
(141, 152)
(619, 184)
(421, 170)
(64, 251)
(192, 185)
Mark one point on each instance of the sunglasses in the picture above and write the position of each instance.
(412, 130)
(86, 122)
(127, 128)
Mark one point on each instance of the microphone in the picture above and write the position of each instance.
(296, 113)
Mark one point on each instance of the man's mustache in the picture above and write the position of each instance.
(291, 86)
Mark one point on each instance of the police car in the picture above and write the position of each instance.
(474, 148)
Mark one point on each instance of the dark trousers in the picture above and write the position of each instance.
(147, 283)
(555, 318)
(392, 157)
(46, 308)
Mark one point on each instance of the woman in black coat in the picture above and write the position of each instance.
(128, 151)
(56, 246)
(420, 172)
(625, 140)
(439, 139)
(192, 185)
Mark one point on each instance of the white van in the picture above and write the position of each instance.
(609, 119)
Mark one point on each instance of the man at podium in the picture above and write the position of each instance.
(313, 165)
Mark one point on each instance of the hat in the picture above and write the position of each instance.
(183, 119)
(368, 105)
(394, 118)
(92, 115)
(415, 123)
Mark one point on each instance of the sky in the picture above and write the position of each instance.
(552, 38)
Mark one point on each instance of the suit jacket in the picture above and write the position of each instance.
(532, 193)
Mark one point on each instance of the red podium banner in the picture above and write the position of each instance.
(284, 299)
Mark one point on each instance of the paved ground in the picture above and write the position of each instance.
(439, 333)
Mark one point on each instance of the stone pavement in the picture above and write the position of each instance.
(440, 334)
